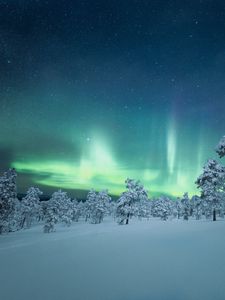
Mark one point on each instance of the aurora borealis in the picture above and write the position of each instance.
(93, 92)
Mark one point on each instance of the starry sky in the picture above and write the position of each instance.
(93, 92)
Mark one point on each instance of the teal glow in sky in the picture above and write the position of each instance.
(93, 92)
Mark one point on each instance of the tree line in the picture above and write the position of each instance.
(133, 202)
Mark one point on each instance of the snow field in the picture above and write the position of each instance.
(144, 260)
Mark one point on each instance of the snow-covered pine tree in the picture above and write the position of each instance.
(51, 217)
(16, 217)
(143, 208)
(135, 192)
(197, 206)
(174, 212)
(59, 209)
(8, 201)
(178, 207)
(75, 214)
(89, 204)
(185, 206)
(124, 209)
(162, 207)
(65, 207)
(96, 206)
(220, 149)
(100, 207)
(43, 210)
(212, 185)
(31, 207)
(78, 209)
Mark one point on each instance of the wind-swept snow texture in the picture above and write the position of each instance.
(172, 260)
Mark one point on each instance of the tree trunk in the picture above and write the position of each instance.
(214, 215)
(127, 220)
(23, 222)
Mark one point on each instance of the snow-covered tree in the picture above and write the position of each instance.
(59, 209)
(75, 214)
(112, 209)
(125, 207)
(197, 206)
(212, 185)
(89, 204)
(8, 200)
(51, 217)
(65, 207)
(174, 212)
(185, 201)
(162, 207)
(101, 207)
(142, 208)
(178, 207)
(220, 149)
(78, 209)
(16, 217)
(31, 207)
(97, 206)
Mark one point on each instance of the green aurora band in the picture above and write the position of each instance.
(99, 169)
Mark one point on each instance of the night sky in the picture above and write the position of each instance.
(92, 92)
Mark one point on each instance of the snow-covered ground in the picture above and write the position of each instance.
(172, 260)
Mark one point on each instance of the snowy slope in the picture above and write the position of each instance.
(172, 260)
